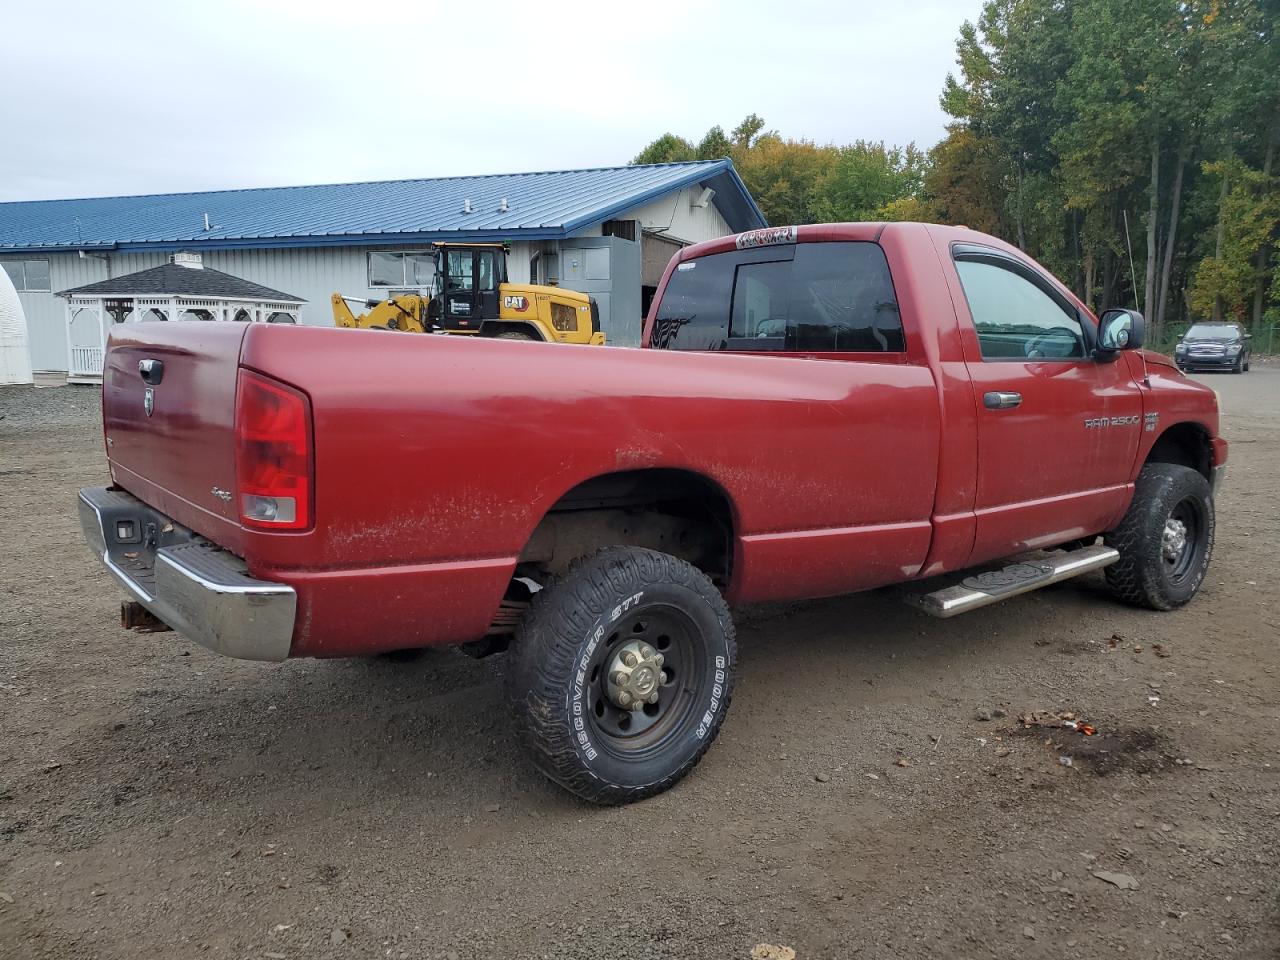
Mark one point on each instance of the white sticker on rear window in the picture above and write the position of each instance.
(767, 237)
(686, 266)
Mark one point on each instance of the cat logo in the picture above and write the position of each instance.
(518, 304)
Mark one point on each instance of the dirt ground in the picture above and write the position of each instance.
(871, 795)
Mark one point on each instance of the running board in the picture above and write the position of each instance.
(983, 589)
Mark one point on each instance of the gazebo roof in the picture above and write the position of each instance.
(174, 280)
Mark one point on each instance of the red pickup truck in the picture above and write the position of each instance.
(817, 410)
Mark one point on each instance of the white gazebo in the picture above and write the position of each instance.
(181, 290)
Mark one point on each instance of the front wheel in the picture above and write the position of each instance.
(621, 673)
(1165, 540)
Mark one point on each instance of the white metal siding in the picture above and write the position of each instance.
(676, 217)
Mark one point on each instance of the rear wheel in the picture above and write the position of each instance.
(1165, 540)
(621, 673)
(515, 335)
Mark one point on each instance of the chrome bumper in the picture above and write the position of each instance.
(201, 591)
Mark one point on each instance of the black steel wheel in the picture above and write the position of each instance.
(621, 673)
(1165, 540)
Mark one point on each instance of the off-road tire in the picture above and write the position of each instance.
(570, 625)
(515, 335)
(1142, 576)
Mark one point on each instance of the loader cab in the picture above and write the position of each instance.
(468, 279)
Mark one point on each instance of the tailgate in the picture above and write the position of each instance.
(171, 442)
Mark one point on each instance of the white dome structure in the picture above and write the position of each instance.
(15, 357)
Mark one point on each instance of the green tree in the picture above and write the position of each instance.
(866, 178)
(1226, 281)
(668, 148)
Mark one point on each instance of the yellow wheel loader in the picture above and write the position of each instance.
(470, 295)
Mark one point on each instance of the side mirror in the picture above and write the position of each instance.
(1121, 330)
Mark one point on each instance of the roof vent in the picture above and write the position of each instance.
(502, 205)
(466, 206)
(188, 259)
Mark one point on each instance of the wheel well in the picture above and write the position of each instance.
(491, 328)
(674, 511)
(1186, 444)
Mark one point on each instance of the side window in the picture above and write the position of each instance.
(1015, 318)
(488, 270)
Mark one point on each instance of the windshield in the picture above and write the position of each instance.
(1213, 331)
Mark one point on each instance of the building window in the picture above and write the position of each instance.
(414, 269)
(28, 275)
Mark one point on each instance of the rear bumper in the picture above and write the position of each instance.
(201, 591)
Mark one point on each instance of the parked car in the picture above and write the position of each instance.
(817, 410)
(1214, 346)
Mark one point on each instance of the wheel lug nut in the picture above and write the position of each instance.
(659, 659)
(629, 658)
(620, 678)
(653, 697)
(664, 677)
(624, 698)
(646, 651)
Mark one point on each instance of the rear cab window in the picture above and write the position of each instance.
(817, 297)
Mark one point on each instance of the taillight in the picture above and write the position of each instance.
(273, 454)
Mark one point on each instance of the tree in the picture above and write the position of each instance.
(866, 178)
(1225, 283)
(799, 181)
(715, 145)
(668, 148)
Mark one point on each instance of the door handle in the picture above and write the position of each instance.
(1001, 400)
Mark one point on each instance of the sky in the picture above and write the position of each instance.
(122, 97)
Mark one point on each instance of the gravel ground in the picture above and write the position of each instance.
(871, 795)
(49, 408)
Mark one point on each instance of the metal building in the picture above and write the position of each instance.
(608, 232)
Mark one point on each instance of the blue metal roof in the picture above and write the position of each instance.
(540, 206)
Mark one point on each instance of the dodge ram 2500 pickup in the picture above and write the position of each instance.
(816, 410)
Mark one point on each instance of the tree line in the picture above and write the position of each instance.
(1129, 145)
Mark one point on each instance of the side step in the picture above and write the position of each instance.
(984, 589)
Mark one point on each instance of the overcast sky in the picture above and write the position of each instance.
(128, 97)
